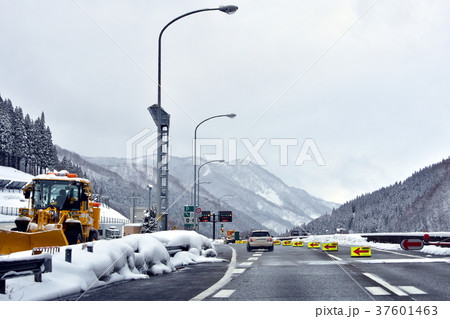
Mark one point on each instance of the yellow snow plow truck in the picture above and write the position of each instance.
(60, 212)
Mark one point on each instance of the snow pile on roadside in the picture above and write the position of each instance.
(131, 257)
(357, 240)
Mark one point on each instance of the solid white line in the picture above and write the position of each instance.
(385, 284)
(222, 282)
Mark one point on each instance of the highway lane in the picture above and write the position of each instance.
(292, 273)
(299, 273)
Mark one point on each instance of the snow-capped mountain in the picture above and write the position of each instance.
(257, 198)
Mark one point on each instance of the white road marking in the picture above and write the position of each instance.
(224, 293)
(246, 264)
(385, 284)
(335, 257)
(253, 258)
(238, 270)
(412, 290)
(377, 291)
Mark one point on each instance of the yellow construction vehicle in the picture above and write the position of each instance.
(60, 212)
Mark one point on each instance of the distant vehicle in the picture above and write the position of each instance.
(260, 239)
(295, 233)
(112, 232)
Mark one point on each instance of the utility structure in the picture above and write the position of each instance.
(162, 121)
(196, 184)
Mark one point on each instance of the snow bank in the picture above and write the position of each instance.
(132, 257)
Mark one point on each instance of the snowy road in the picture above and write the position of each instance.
(302, 274)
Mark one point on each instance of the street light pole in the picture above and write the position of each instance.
(198, 184)
(163, 126)
(231, 116)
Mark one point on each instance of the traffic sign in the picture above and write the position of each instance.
(277, 242)
(225, 216)
(411, 244)
(297, 243)
(189, 219)
(313, 245)
(330, 246)
(364, 251)
(287, 243)
(198, 210)
(188, 208)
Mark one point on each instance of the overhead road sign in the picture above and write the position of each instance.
(364, 251)
(206, 216)
(330, 246)
(313, 245)
(411, 244)
(225, 216)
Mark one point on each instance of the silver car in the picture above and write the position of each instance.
(260, 239)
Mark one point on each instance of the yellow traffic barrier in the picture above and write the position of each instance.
(277, 242)
(364, 251)
(297, 243)
(330, 246)
(313, 245)
(287, 243)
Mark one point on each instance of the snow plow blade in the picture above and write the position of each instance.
(14, 241)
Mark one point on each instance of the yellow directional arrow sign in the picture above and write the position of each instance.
(276, 242)
(364, 251)
(313, 245)
(297, 243)
(287, 243)
(330, 246)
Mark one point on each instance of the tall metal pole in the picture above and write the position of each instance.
(231, 115)
(162, 160)
(198, 192)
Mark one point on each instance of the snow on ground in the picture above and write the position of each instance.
(131, 257)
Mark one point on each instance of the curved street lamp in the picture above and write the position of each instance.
(231, 116)
(198, 182)
(163, 165)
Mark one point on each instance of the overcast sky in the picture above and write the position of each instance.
(357, 92)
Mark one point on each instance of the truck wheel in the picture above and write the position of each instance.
(74, 236)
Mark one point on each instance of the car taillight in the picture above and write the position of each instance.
(251, 239)
(270, 239)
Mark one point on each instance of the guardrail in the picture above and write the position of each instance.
(18, 267)
(397, 238)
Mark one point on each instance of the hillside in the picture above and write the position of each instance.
(420, 203)
(260, 199)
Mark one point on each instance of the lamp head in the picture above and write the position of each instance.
(228, 9)
(231, 115)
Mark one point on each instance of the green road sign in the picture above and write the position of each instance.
(189, 208)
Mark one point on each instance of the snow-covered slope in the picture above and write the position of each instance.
(259, 199)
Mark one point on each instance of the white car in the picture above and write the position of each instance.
(260, 239)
